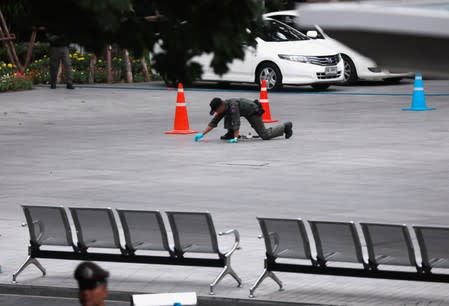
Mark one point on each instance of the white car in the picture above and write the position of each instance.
(283, 56)
(357, 66)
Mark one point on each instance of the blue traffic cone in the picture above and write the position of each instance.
(419, 98)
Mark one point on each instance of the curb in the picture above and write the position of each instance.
(123, 296)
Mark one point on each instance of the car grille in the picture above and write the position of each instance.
(331, 60)
(323, 76)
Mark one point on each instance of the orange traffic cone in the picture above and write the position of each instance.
(181, 125)
(265, 103)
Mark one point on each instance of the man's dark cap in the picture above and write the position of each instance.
(214, 104)
(90, 275)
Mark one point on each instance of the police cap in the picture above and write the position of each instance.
(90, 275)
(214, 104)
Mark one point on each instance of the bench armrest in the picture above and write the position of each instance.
(275, 244)
(236, 242)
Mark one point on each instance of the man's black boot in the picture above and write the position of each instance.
(228, 135)
(53, 85)
(288, 129)
(70, 86)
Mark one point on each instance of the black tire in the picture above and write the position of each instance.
(271, 73)
(393, 81)
(349, 72)
(320, 87)
(224, 84)
(169, 83)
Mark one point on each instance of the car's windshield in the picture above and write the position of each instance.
(276, 31)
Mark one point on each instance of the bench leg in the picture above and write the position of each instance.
(30, 260)
(226, 270)
(261, 278)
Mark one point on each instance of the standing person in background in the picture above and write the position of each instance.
(59, 51)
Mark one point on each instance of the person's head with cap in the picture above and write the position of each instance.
(217, 106)
(92, 283)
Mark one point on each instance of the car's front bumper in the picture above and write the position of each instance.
(295, 73)
(365, 74)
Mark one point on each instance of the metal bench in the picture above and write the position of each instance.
(336, 242)
(98, 238)
(284, 239)
(389, 244)
(339, 252)
(195, 233)
(434, 246)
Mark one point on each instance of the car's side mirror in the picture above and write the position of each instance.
(312, 34)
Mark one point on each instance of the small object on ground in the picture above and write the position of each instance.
(288, 129)
(234, 140)
(164, 299)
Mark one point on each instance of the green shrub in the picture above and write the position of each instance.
(14, 82)
(80, 77)
(101, 76)
(38, 71)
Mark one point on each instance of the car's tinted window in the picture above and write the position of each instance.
(290, 20)
(276, 31)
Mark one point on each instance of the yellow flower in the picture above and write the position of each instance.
(4, 64)
(9, 65)
(81, 59)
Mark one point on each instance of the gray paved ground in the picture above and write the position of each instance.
(353, 157)
(24, 300)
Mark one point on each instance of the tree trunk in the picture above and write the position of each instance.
(128, 68)
(93, 62)
(146, 73)
(5, 39)
(10, 44)
(30, 50)
(109, 63)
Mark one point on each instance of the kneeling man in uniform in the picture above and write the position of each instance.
(231, 110)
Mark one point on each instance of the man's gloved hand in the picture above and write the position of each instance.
(233, 140)
(199, 136)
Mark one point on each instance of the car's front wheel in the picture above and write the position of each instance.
(349, 72)
(320, 87)
(271, 74)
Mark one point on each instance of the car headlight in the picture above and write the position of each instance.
(294, 58)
